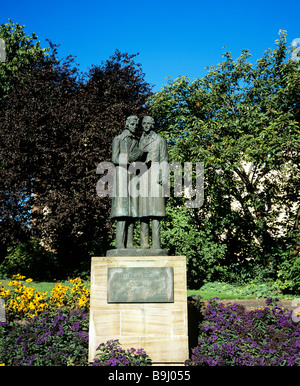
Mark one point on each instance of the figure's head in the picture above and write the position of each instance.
(147, 124)
(131, 123)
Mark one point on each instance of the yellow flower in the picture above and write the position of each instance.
(18, 276)
(5, 293)
(2, 364)
(28, 280)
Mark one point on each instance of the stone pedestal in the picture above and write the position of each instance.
(142, 301)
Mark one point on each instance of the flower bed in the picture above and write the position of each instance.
(53, 330)
(112, 354)
(57, 338)
(44, 330)
(231, 336)
(24, 301)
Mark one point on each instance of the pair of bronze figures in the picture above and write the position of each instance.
(128, 151)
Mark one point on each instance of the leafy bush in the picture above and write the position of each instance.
(50, 339)
(289, 275)
(112, 354)
(180, 236)
(231, 336)
(27, 259)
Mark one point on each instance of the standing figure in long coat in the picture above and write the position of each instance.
(152, 182)
(124, 207)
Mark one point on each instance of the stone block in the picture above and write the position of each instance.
(159, 327)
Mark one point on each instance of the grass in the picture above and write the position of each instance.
(205, 295)
(251, 290)
(207, 291)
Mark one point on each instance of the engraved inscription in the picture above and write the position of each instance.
(140, 285)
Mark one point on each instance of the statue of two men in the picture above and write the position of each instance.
(147, 201)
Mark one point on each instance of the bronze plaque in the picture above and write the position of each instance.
(140, 285)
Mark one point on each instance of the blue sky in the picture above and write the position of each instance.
(174, 38)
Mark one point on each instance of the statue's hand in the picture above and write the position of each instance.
(135, 155)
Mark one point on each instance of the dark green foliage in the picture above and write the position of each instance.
(30, 259)
(205, 257)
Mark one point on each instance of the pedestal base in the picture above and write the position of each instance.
(160, 328)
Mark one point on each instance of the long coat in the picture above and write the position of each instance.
(152, 198)
(123, 205)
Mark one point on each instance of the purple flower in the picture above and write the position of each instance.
(49, 339)
(268, 301)
(112, 354)
(230, 335)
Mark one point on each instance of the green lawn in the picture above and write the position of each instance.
(205, 295)
(232, 291)
(207, 291)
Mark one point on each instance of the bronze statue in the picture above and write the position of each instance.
(124, 207)
(149, 156)
(152, 204)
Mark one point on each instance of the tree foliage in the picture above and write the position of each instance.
(56, 126)
(21, 51)
(243, 123)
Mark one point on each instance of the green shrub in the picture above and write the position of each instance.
(30, 259)
(205, 256)
(289, 275)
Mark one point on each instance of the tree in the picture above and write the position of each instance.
(56, 126)
(243, 123)
(34, 133)
(21, 51)
(75, 214)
